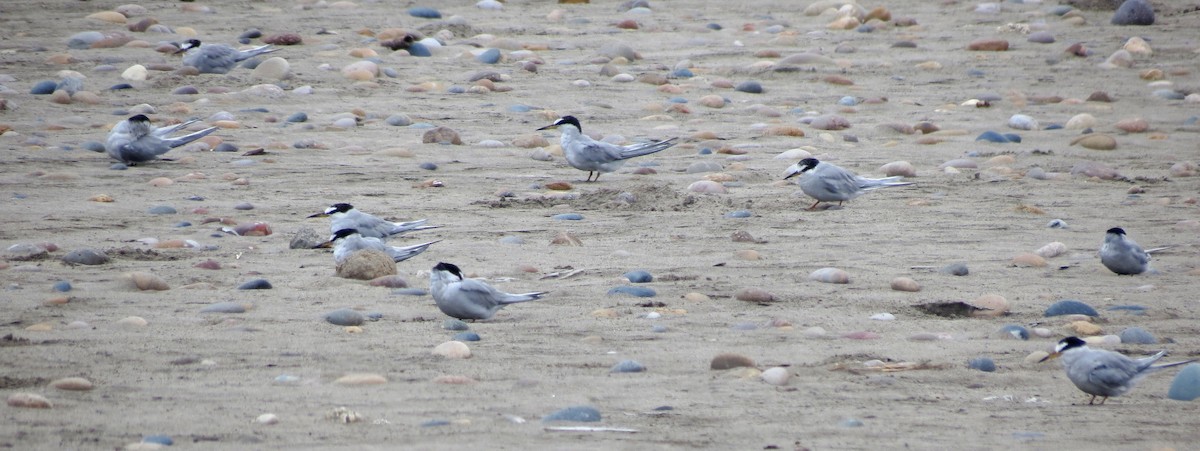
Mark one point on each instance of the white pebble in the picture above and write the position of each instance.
(776, 376)
(883, 317)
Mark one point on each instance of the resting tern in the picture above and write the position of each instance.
(217, 58)
(348, 241)
(345, 216)
(828, 182)
(1100, 372)
(586, 154)
(472, 299)
(134, 141)
(1123, 256)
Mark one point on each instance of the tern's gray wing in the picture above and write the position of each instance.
(867, 184)
(212, 58)
(172, 143)
(468, 299)
(637, 150)
(1122, 256)
(830, 183)
(367, 225)
(136, 151)
(164, 131)
(400, 254)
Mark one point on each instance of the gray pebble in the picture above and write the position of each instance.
(489, 56)
(398, 120)
(984, 364)
(511, 239)
(1138, 336)
(297, 117)
(255, 284)
(454, 324)
(627, 366)
(739, 214)
(1070, 307)
(466, 336)
(1186, 385)
(955, 269)
(224, 307)
(162, 210)
(576, 413)
(43, 87)
(1134, 12)
(1057, 224)
(118, 167)
(390, 72)
(568, 217)
(752, 87)
(185, 90)
(225, 147)
(428, 166)
(641, 292)
(94, 146)
(639, 276)
(243, 206)
(85, 256)
(344, 317)
(658, 328)
(61, 286)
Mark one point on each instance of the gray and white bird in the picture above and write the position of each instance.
(134, 140)
(471, 299)
(345, 216)
(1123, 256)
(828, 182)
(586, 154)
(348, 241)
(1100, 372)
(217, 58)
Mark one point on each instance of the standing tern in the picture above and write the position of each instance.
(1100, 372)
(463, 298)
(1123, 256)
(348, 241)
(828, 182)
(345, 216)
(587, 154)
(217, 58)
(134, 141)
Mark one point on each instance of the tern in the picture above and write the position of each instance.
(1104, 373)
(217, 58)
(828, 182)
(348, 241)
(1123, 256)
(134, 141)
(345, 216)
(472, 299)
(586, 154)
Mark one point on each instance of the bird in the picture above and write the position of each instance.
(586, 154)
(828, 182)
(217, 58)
(469, 299)
(1100, 372)
(1123, 256)
(134, 140)
(344, 216)
(348, 241)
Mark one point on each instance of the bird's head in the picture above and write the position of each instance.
(565, 120)
(1064, 345)
(343, 233)
(804, 165)
(333, 209)
(1116, 231)
(450, 268)
(188, 45)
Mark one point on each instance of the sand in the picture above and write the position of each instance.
(203, 378)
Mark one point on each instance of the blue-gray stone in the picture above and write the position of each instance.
(520, 108)
(1053, 127)
(61, 286)
(1136, 335)
(568, 217)
(1186, 385)
(705, 151)
(865, 28)
(84, 40)
(1070, 307)
(577, 413)
(185, 90)
(424, 12)
(1059, 10)
(466, 336)
(1056, 224)
(419, 49)
(398, 120)
(43, 87)
(456, 89)
(682, 72)
(848, 101)
(120, 87)
(90, 257)
(182, 224)
(984, 364)
(162, 210)
(851, 423)
(252, 33)
(627, 366)
(1134, 12)
(489, 56)
(752, 87)
(713, 26)
(641, 292)
(194, 198)
(454, 324)
(739, 214)
(428, 166)
(677, 100)
(374, 316)
(639, 276)
(1015, 330)
(225, 147)
(410, 292)
(1169, 94)
(435, 423)
(224, 307)
(955, 269)
(1131, 309)
(94, 146)
(298, 117)
(658, 328)
(344, 317)
(159, 439)
(391, 72)
(255, 284)
(118, 167)
(991, 136)
(243, 206)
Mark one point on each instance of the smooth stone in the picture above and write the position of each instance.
(1185, 386)
(162, 210)
(267, 418)
(641, 292)
(44, 87)
(489, 56)
(452, 350)
(72, 384)
(777, 376)
(61, 286)
(639, 276)
(992, 305)
(466, 336)
(955, 269)
(739, 214)
(424, 12)
(29, 401)
(1136, 335)
(756, 295)
(366, 264)
(1013, 331)
(1080, 121)
(1041, 37)
(455, 324)
(960, 163)
(991, 136)
(707, 187)
(728, 361)
(441, 135)
(1028, 260)
(133, 321)
(585, 414)
(1096, 141)
(255, 284)
(984, 364)
(829, 122)
(830, 275)
(905, 284)
(90, 257)
(1023, 122)
(419, 50)
(568, 217)
(988, 45)
(274, 68)
(1134, 12)
(752, 87)
(398, 120)
(1070, 307)
(627, 366)
(700, 167)
(1051, 250)
(361, 379)
(224, 307)
(345, 317)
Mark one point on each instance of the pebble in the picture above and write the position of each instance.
(424, 12)
(89, 257)
(1070, 307)
(959, 163)
(707, 187)
(955, 269)
(267, 418)
(1096, 141)
(984, 364)
(627, 366)
(830, 275)
(361, 379)
(992, 305)
(224, 307)
(988, 45)
(829, 122)
(1051, 250)
(284, 39)
(1041, 37)
(466, 336)
(489, 56)
(274, 68)
(1185, 386)
(452, 350)
(728, 361)
(585, 414)
(441, 135)
(1028, 260)
(752, 87)
(1134, 12)
(1136, 335)
(61, 286)
(883, 317)
(568, 217)
(639, 276)
(366, 265)
(1022, 122)
(397, 120)
(991, 136)
(255, 284)
(29, 401)
(1084, 329)
(162, 210)
(777, 376)
(345, 317)
(905, 284)
(455, 324)
(133, 321)
(641, 292)
(44, 87)
(756, 295)
(1016, 331)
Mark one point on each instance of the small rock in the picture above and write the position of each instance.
(224, 307)
(585, 414)
(777, 376)
(1137, 336)
(1185, 386)
(1070, 307)
(641, 292)
(440, 135)
(984, 364)
(361, 379)
(255, 284)
(366, 265)
(72, 384)
(452, 350)
(455, 324)
(988, 45)
(1134, 12)
(89, 257)
(144, 281)
(756, 295)
(905, 284)
(639, 276)
(728, 361)
(1028, 260)
(830, 275)
(29, 401)
(345, 317)
(627, 366)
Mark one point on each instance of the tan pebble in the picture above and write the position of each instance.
(905, 284)
(108, 16)
(61, 97)
(756, 295)
(558, 186)
(1000, 160)
(728, 361)
(353, 330)
(1132, 125)
(1051, 250)
(1042, 332)
(133, 321)
(1084, 328)
(453, 380)
(1028, 260)
(927, 140)
(605, 313)
(1080, 121)
(87, 97)
(880, 13)
(102, 198)
(1036, 356)
(1096, 141)
(837, 80)
(748, 254)
(29, 400)
(362, 52)
(988, 45)
(144, 281)
(1029, 209)
(1138, 47)
(1152, 74)
(57, 300)
(707, 187)
(40, 327)
(744, 372)
(170, 244)
(929, 65)
(72, 384)
(742, 236)
(160, 182)
(1183, 169)
(226, 124)
(844, 23)
(361, 379)
(712, 101)
(992, 305)
(241, 181)
(566, 239)
(777, 376)
(784, 130)
(452, 350)
(901, 168)
(61, 58)
(830, 275)
(696, 297)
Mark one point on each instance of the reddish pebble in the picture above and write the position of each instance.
(208, 264)
(988, 45)
(862, 335)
